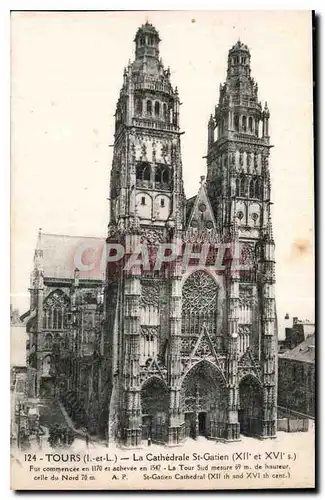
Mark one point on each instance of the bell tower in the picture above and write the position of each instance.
(147, 208)
(238, 148)
(239, 187)
(146, 177)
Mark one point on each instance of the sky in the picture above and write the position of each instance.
(66, 74)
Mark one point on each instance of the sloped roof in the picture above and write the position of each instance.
(62, 254)
(189, 206)
(199, 210)
(303, 352)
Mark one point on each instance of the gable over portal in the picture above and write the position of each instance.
(201, 217)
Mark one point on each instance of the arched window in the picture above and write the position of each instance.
(257, 128)
(165, 111)
(162, 176)
(258, 188)
(199, 307)
(243, 186)
(252, 188)
(250, 124)
(143, 172)
(138, 106)
(244, 122)
(157, 108)
(146, 173)
(55, 311)
(165, 176)
(149, 108)
(237, 187)
(236, 123)
(158, 174)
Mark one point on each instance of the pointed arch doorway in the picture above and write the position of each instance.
(204, 401)
(154, 405)
(250, 406)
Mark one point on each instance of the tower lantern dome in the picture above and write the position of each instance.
(147, 41)
(238, 58)
(239, 47)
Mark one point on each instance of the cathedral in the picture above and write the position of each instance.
(187, 348)
(193, 349)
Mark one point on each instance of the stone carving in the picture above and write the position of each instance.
(244, 329)
(248, 365)
(246, 297)
(164, 150)
(149, 294)
(151, 236)
(247, 254)
(88, 297)
(150, 330)
(56, 300)
(187, 345)
(203, 349)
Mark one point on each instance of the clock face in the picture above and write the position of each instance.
(202, 207)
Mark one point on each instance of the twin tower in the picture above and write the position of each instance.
(190, 345)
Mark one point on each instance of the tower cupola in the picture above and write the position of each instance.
(239, 58)
(147, 42)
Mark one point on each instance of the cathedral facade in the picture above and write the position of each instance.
(189, 347)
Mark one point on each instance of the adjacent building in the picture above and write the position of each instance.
(300, 331)
(18, 378)
(296, 390)
(64, 324)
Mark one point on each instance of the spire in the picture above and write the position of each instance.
(269, 230)
(234, 228)
(38, 251)
(37, 273)
(266, 110)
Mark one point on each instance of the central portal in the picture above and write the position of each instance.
(203, 400)
(203, 424)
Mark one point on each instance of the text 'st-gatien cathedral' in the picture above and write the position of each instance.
(180, 345)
